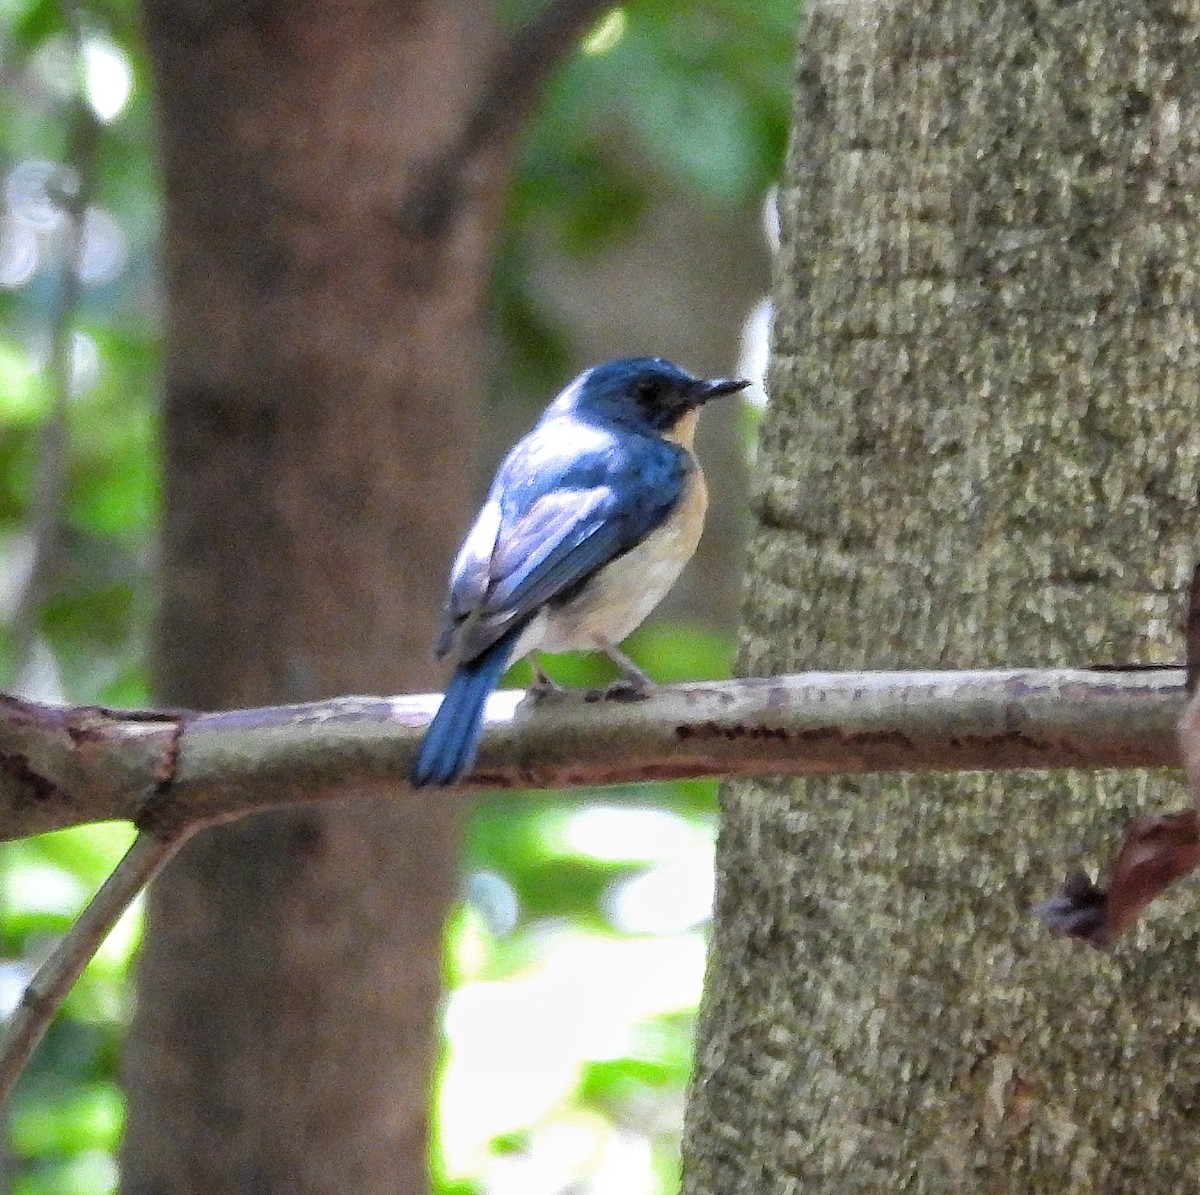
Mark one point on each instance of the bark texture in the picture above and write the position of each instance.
(322, 362)
(982, 451)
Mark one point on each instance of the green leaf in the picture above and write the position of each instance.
(86, 1117)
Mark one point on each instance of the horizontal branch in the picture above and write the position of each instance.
(69, 766)
(173, 773)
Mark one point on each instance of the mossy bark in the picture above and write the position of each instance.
(981, 450)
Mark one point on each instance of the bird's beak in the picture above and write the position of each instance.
(715, 387)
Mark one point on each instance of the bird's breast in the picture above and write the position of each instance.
(616, 599)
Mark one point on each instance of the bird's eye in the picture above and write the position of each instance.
(647, 389)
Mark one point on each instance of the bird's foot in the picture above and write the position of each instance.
(545, 687)
(628, 688)
(634, 684)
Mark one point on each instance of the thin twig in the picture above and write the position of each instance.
(1191, 633)
(50, 486)
(1189, 724)
(1156, 849)
(44, 995)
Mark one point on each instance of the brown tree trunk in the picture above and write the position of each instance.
(982, 451)
(321, 372)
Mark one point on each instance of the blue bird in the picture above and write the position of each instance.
(588, 523)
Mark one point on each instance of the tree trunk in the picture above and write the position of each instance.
(981, 451)
(320, 381)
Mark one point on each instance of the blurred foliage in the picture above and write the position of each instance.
(576, 957)
(708, 118)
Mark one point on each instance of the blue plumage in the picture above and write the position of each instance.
(448, 748)
(571, 514)
(593, 493)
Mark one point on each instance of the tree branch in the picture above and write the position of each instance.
(523, 67)
(1191, 633)
(70, 765)
(173, 773)
(49, 491)
(55, 978)
(509, 95)
(63, 766)
(1156, 849)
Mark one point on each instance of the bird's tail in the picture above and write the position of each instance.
(448, 749)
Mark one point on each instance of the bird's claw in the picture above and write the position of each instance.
(546, 688)
(628, 688)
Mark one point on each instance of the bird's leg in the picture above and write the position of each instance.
(635, 685)
(544, 685)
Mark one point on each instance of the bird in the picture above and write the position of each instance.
(590, 519)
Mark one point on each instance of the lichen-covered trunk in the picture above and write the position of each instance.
(321, 369)
(982, 450)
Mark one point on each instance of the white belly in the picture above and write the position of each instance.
(619, 597)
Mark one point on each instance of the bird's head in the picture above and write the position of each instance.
(643, 392)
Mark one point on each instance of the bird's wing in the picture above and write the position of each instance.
(469, 575)
(564, 536)
(562, 517)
